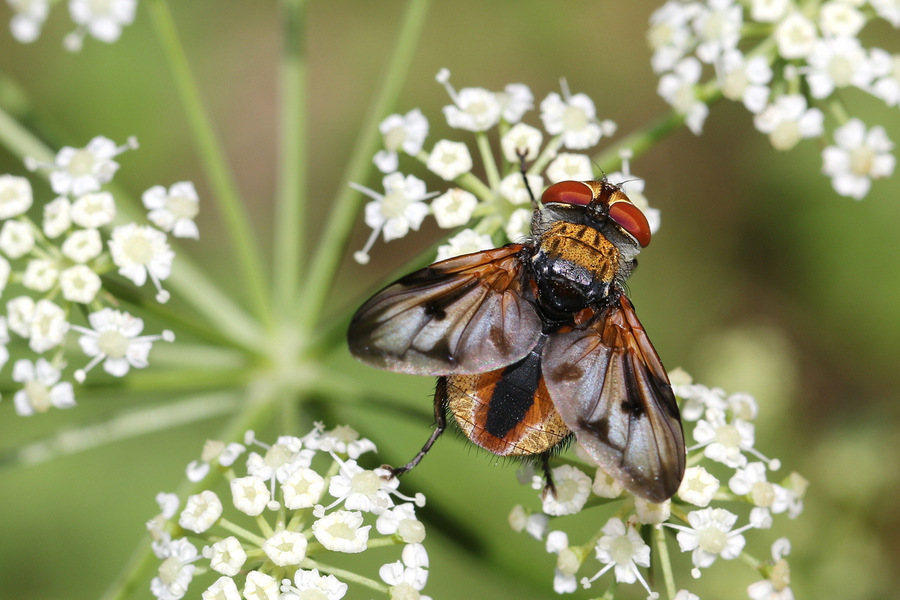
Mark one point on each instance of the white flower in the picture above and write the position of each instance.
(311, 585)
(201, 511)
(139, 251)
(670, 33)
(343, 439)
(837, 63)
(515, 100)
(78, 171)
(281, 459)
(574, 118)
(224, 588)
(400, 209)
(342, 531)
(567, 166)
(887, 75)
(723, 441)
(302, 489)
(567, 563)
(605, 486)
(768, 11)
(745, 80)
(174, 210)
(411, 570)
(718, 29)
(751, 481)
(518, 226)
(795, 36)
(710, 536)
(698, 398)
(685, 595)
(466, 241)
(176, 571)
(57, 217)
(250, 494)
(453, 208)
(42, 388)
(512, 187)
(698, 486)
(401, 132)
(260, 586)
(16, 239)
(402, 521)
(572, 490)
(28, 19)
(285, 548)
(15, 196)
(839, 19)
(19, 312)
(743, 406)
(362, 489)
(521, 138)
(82, 245)
(776, 586)
(534, 524)
(449, 160)
(788, 121)
(858, 157)
(79, 284)
(94, 210)
(103, 20)
(650, 512)
(227, 556)
(47, 326)
(40, 274)
(473, 109)
(679, 89)
(621, 548)
(213, 451)
(115, 339)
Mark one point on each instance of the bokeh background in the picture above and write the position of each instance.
(762, 280)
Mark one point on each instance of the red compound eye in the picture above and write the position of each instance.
(631, 219)
(568, 192)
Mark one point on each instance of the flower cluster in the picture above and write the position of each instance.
(725, 469)
(51, 268)
(789, 64)
(502, 202)
(282, 495)
(102, 20)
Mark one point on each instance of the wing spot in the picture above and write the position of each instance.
(567, 373)
(434, 311)
(599, 428)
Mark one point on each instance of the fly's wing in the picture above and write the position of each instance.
(611, 389)
(468, 314)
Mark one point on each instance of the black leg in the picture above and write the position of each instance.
(440, 419)
(549, 487)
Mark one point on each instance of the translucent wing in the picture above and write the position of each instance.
(469, 314)
(611, 389)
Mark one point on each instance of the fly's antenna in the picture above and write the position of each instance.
(522, 154)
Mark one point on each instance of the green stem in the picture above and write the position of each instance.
(344, 575)
(336, 233)
(665, 563)
(291, 206)
(249, 258)
(487, 157)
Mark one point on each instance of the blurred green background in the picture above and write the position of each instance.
(762, 280)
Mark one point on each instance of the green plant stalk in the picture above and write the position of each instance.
(665, 563)
(291, 199)
(249, 258)
(336, 232)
